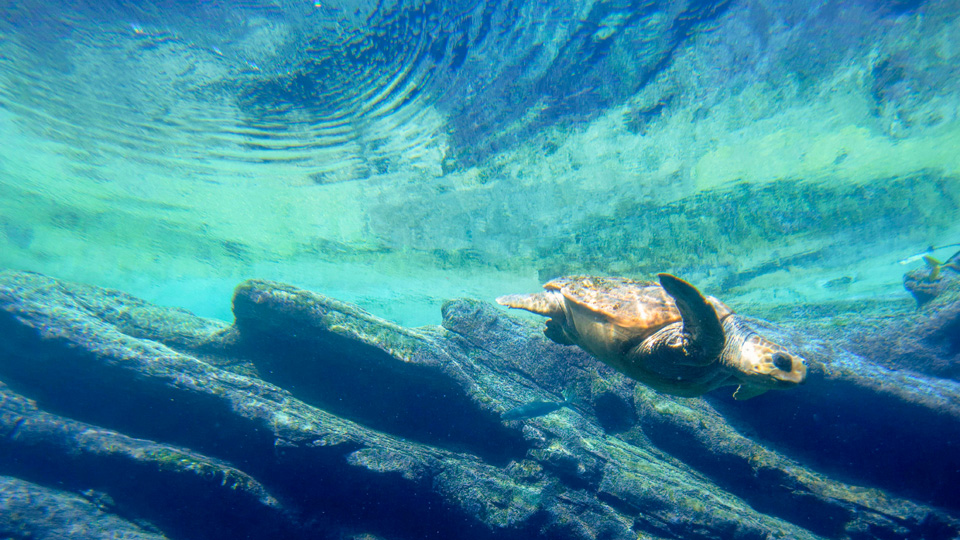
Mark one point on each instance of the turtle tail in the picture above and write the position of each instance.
(541, 303)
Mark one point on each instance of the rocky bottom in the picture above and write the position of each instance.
(309, 418)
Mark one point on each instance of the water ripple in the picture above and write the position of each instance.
(210, 87)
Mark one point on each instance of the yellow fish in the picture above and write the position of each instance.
(936, 267)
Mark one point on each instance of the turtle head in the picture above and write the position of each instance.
(759, 363)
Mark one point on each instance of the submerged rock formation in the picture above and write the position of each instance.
(309, 418)
(926, 339)
(928, 282)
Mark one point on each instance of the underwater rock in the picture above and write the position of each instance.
(856, 418)
(54, 450)
(930, 281)
(314, 419)
(39, 513)
(844, 389)
(928, 339)
(68, 359)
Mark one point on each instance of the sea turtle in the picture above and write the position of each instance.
(667, 335)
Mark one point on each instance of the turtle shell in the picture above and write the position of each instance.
(636, 308)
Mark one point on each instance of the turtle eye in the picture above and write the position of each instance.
(782, 362)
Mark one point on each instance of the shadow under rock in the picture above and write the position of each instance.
(417, 399)
(359, 382)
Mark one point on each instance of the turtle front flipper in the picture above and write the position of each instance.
(703, 336)
(747, 391)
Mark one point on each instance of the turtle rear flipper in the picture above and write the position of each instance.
(702, 331)
(549, 304)
(541, 303)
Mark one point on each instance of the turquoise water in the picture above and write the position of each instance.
(396, 155)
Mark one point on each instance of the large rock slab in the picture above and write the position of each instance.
(312, 417)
